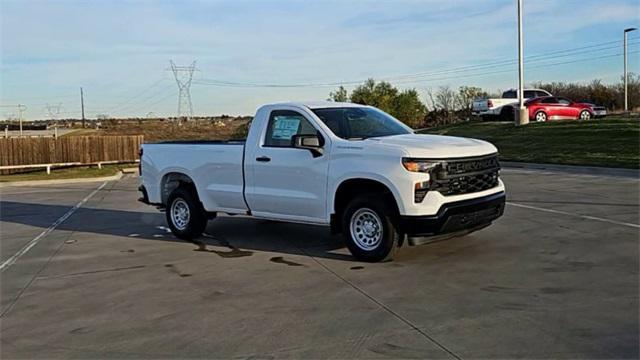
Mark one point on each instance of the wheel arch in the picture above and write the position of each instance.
(171, 181)
(349, 188)
(590, 111)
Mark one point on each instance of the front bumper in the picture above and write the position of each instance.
(456, 217)
(599, 113)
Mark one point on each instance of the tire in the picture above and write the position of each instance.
(368, 229)
(541, 116)
(584, 115)
(185, 214)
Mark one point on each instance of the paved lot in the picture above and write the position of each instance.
(556, 277)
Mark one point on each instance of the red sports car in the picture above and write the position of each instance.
(558, 108)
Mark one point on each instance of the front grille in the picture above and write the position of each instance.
(458, 167)
(464, 176)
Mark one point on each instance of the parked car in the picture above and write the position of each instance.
(351, 167)
(558, 108)
(503, 108)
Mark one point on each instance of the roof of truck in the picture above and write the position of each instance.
(319, 104)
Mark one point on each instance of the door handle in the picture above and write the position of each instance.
(263, 159)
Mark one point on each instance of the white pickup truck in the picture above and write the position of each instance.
(351, 167)
(503, 108)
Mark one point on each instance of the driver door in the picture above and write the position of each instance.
(568, 110)
(284, 182)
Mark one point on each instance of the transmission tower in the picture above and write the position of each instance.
(53, 110)
(183, 76)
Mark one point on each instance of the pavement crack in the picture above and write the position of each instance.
(91, 272)
(385, 307)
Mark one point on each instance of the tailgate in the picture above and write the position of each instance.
(479, 105)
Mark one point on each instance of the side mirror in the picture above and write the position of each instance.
(313, 143)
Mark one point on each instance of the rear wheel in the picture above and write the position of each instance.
(368, 229)
(185, 215)
(541, 116)
(585, 115)
(506, 114)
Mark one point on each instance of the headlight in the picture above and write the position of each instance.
(417, 165)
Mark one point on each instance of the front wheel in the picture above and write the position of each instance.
(585, 115)
(368, 229)
(185, 215)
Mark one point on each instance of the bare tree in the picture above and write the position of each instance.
(445, 99)
(430, 103)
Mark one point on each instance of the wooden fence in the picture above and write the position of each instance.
(68, 149)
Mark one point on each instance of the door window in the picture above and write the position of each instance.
(283, 124)
(564, 101)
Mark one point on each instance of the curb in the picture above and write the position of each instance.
(573, 169)
(117, 176)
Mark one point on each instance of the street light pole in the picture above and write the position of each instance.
(21, 109)
(523, 114)
(626, 105)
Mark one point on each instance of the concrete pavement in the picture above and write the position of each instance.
(556, 277)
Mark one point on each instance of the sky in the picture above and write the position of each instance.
(252, 52)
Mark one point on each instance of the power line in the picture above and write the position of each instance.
(151, 96)
(416, 76)
(137, 95)
(513, 70)
(484, 73)
(143, 104)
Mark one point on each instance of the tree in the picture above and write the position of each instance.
(445, 99)
(380, 95)
(610, 96)
(466, 95)
(339, 95)
(404, 105)
(409, 109)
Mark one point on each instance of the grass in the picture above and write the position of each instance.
(609, 142)
(66, 173)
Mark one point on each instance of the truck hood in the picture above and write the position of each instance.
(438, 146)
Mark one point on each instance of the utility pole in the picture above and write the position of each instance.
(183, 76)
(626, 79)
(82, 105)
(523, 114)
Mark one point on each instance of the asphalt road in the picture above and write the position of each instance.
(555, 277)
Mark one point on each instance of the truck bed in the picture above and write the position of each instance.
(203, 142)
(215, 167)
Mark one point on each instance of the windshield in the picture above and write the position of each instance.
(360, 123)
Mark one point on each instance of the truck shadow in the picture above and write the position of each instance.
(237, 236)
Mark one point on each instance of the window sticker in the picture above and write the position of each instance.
(284, 127)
